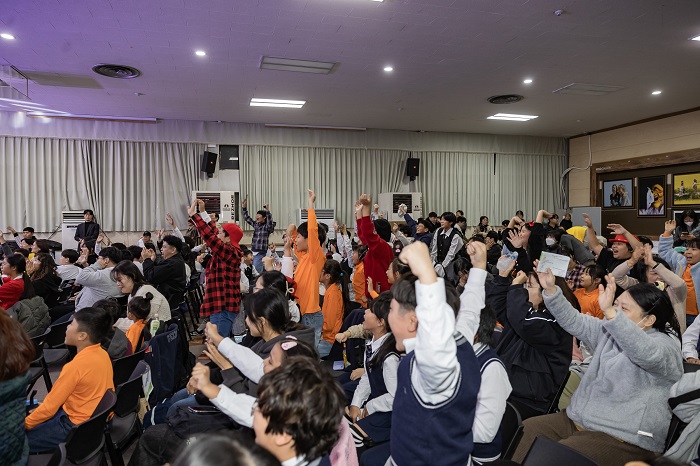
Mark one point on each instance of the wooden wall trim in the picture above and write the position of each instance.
(637, 122)
(647, 161)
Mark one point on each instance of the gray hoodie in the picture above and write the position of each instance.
(625, 391)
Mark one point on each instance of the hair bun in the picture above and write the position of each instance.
(148, 296)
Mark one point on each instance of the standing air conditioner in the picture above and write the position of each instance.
(69, 223)
(390, 202)
(326, 216)
(225, 203)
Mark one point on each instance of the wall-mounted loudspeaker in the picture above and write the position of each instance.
(412, 168)
(209, 163)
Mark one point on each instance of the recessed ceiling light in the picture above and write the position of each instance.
(7, 36)
(388, 69)
(695, 38)
(527, 81)
(656, 93)
(511, 117)
(255, 102)
(200, 53)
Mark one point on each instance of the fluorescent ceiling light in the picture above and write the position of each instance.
(527, 81)
(7, 36)
(656, 93)
(200, 53)
(511, 117)
(388, 69)
(695, 38)
(71, 116)
(255, 102)
(292, 64)
(339, 128)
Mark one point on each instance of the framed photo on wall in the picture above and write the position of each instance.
(651, 196)
(685, 189)
(618, 194)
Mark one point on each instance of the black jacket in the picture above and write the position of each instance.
(169, 277)
(534, 348)
(87, 231)
(47, 288)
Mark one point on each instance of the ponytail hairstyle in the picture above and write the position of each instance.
(279, 281)
(399, 268)
(333, 268)
(140, 306)
(655, 302)
(19, 262)
(380, 308)
(291, 347)
(268, 304)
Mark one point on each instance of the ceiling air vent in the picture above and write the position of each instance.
(116, 71)
(293, 64)
(587, 89)
(505, 99)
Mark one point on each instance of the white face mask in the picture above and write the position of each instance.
(642, 320)
(550, 241)
(689, 224)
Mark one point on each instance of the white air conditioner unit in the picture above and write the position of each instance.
(390, 202)
(225, 203)
(69, 223)
(326, 216)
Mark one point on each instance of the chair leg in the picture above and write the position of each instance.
(46, 375)
(115, 456)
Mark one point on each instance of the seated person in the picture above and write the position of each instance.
(80, 386)
(335, 302)
(115, 343)
(97, 280)
(16, 284)
(137, 311)
(67, 269)
(587, 295)
(45, 279)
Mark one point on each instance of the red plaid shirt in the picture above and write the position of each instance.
(223, 290)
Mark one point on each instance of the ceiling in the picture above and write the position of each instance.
(448, 56)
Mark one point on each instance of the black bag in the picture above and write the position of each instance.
(189, 420)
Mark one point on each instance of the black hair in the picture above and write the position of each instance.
(135, 251)
(397, 246)
(565, 290)
(302, 399)
(361, 251)
(641, 268)
(399, 267)
(481, 219)
(449, 217)
(293, 347)
(461, 264)
(657, 303)
(147, 233)
(493, 235)
(43, 246)
(556, 234)
(47, 266)
(140, 306)
(94, 321)
(219, 449)
(149, 245)
(645, 240)
(333, 268)
(383, 228)
(246, 252)
(461, 219)
(174, 241)
(405, 229)
(487, 324)
(478, 239)
(426, 223)
(110, 305)
(380, 308)
(268, 304)
(263, 213)
(70, 254)
(692, 215)
(303, 230)
(597, 272)
(693, 243)
(432, 214)
(126, 255)
(128, 269)
(520, 212)
(279, 281)
(88, 211)
(19, 262)
(29, 230)
(113, 254)
(120, 246)
(505, 223)
(459, 213)
(404, 292)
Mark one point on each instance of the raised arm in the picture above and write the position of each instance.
(269, 226)
(593, 243)
(473, 298)
(620, 230)
(249, 363)
(437, 369)
(666, 250)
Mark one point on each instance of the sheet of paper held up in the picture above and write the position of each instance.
(556, 262)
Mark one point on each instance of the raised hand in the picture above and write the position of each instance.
(394, 227)
(606, 295)
(244, 203)
(171, 221)
(370, 284)
(637, 254)
(477, 254)
(212, 333)
(547, 280)
(402, 209)
(587, 219)
(192, 209)
(515, 239)
(312, 196)
(617, 228)
(366, 199)
(417, 257)
(648, 256)
(11, 230)
(216, 357)
(520, 278)
(201, 206)
(669, 226)
(268, 263)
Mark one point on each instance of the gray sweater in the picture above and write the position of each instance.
(625, 391)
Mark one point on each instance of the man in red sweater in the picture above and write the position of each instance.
(375, 235)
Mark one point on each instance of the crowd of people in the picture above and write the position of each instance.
(433, 329)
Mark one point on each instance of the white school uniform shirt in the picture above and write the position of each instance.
(390, 369)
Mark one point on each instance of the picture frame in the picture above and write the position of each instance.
(619, 199)
(651, 196)
(686, 190)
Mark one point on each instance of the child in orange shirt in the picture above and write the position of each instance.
(587, 295)
(80, 386)
(358, 276)
(138, 310)
(335, 302)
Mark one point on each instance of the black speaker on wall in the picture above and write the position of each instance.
(209, 163)
(412, 168)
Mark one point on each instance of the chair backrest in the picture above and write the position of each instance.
(57, 334)
(87, 439)
(546, 452)
(59, 456)
(123, 367)
(511, 427)
(129, 392)
(38, 342)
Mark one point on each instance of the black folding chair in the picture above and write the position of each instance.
(554, 406)
(38, 367)
(57, 458)
(511, 431)
(125, 427)
(57, 353)
(546, 452)
(124, 367)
